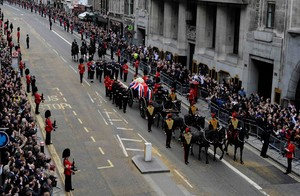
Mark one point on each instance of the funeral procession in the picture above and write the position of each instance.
(149, 97)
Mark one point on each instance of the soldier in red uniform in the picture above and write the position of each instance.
(48, 127)
(37, 100)
(88, 65)
(125, 70)
(81, 69)
(106, 84)
(21, 68)
(28, 80)
(289, 153)
(68, 166)
(191, 96)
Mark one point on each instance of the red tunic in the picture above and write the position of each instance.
(125, 68)
(37, 98)
(81, 68)
(28, 79)
(67, 166)
(49, 126)
(290, 150)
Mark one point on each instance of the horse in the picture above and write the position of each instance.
(194, 121)
(218, 140)
(202, 138)
(238, 140)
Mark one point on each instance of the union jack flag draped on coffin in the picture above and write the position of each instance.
(142, 89)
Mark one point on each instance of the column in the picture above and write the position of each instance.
(200, 29)
(221, 32)
(154, 18)
(181, 36)
(167, 22)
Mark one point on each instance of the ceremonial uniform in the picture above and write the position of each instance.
(125, 71)
(68, 175)
(48, 129)
(106, 84)
(290, 150)
(169, 130)
(21, 68)
(233, 125)
(193, 110)
(187, 138)
(150, 115)
(88, 65)
(81, 69)
(213, 122)
(172, 96)
(28, 81)
(124, 100)
(37, 100)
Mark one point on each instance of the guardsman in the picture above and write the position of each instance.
(193, 109)
(37, 100)
(48, 127)
(187, 138)
(88, 65)
(81, 69)
(172, 96)
(289, 153)
(150, 115)
(125, 70)
(169, 130)
(213, 122)
(21, 67)
(110, 88)
(28, 80)
(33, 81)
(124, 99)
(106, 84)
(67, 170)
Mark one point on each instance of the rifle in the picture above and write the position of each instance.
(54, 125)
(73, 167)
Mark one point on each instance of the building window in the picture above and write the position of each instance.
(270, 15)
(129, 4)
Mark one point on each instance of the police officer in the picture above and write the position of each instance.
(48, 127)
(150, 115)
(125, 97)
(169, 130)
(187, 138)
(265, 137)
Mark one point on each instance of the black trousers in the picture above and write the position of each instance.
(125, 77)
(37, 108)
(28, 87)
(124, 105)
(100, 76)
(169, 137)
(186, 152)
(48, 138)
(150, 122)
(81, 77)
(68, 183)
(289, 168)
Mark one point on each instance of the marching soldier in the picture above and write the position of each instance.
(28, 80)
(67, 170)
(48, 128)
(81, 69)
(169, 130)
(106, 84)
(213, 122)
(120, 104)
(125, 70)
(92, 73)
(124, 99)
(88, 65)
(187, 138)
(150, 115)
(101, 68)
(117, 68)
(37, 100)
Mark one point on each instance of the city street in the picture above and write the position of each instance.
(103, 139)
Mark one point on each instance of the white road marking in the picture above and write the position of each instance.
(122, 146)
(115, 120)
(72, 68)
(49, 45)
(123, 128)
(102, 117)
(86, 129)
(100, 97)
(79, 121)
(104, 167)
(240, 173)
(74, 113)
(121, 116)
(90, 98)
(86, 82)
(92, 138)
(14, 8)
(102, 152)
(132, 140)
(63, 59)
(142, 138)
(61, 93)
(185, 180)
(55, 51)
(65, 99)
(62, 37)
(133, 149)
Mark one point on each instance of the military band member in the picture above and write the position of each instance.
(48, 127)
(169, 130)
(150, 115)
(187, 138)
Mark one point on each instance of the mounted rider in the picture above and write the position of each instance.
(172, 96)
(193, 109)
(233, 126)
(213, 122)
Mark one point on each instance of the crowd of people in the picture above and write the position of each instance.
(25, 169)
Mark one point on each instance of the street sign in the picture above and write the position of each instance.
(4, 139)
